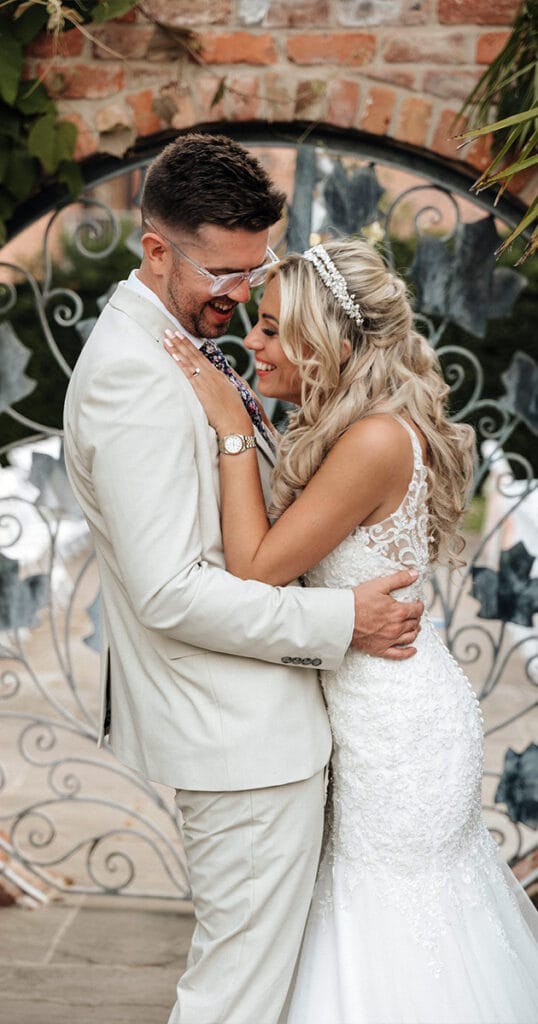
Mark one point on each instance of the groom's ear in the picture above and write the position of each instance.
(156, 253)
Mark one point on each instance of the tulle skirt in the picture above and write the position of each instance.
(361, 962)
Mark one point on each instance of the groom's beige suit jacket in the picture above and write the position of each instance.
(213, 680)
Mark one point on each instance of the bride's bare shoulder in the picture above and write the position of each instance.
(379, 434)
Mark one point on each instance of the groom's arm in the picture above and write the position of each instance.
(138, 426)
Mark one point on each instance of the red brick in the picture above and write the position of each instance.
(525, 185)
(68, 44)
(489, 45)
(393, 75)
(244, 97)
(132, 41)
(378, 110)
(279, 96)
(352, 48)
(87, 138)
(343, 102)
(283, 14)
(145, 119)
(439, 47)
(186, 14)
(413, 120)
(448, 85)
(311, 99)
(478, 153)
(238, 48)
(477, 12)
(378, 12)
(443, 139)
(185, 115)
(205, 88)
(81, 81)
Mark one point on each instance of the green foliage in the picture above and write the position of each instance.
(509, 86)
(36, 147)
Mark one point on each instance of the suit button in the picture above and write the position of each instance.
(307, 661)
(316, 661)
(286, 661)
(297, 661)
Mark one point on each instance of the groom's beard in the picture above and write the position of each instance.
(202, 317)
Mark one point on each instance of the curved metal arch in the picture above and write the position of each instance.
(480, 645)
(457, 177)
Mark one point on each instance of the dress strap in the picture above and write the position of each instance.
(417, 450)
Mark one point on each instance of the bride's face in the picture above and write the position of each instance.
(277, 376)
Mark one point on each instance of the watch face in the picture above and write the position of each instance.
(234, 444)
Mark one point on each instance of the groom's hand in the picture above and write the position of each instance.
(385, 627)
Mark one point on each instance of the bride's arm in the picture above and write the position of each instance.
(349, 486)
(344, 492)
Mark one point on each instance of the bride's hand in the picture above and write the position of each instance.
(221, 400)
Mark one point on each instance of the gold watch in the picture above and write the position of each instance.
(233, 444)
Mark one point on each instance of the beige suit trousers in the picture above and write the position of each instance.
(252, 858)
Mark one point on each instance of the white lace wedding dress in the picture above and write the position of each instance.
(414, 919)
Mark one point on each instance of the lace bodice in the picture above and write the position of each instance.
(407, 755)
(399, 541)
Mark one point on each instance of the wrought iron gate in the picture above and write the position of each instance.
(74, 815)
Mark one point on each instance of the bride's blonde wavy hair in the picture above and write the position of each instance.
(391, 369)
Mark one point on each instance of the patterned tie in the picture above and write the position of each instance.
(215, 356)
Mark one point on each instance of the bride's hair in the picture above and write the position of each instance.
(391, 369)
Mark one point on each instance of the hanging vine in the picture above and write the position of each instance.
(36, 145)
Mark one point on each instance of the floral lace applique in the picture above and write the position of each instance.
(408, 748)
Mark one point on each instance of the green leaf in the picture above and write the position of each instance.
(52, 141)
(66, 137)
(69, 174)
(525, 222)
(107, 9)
(41, 142)
(507, 122)
(30, 24)
(22, 174)
(221, 89)
(33, 98)
(11, 60)
(7, 204)
(10, 121)
(5, 150)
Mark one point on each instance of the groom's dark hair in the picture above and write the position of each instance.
(209, 179)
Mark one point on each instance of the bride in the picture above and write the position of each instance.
(414, 920)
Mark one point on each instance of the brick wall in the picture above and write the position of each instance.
(398, 68)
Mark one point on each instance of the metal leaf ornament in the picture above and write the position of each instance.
(521, 385)
(20, 600)
(431, 272)
(509, 594)
(476, 292)
(14, 356)
(50, 477)
(351, 199)
(93, 640)
(518, 786)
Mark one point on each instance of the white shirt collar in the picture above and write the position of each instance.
(136, 285)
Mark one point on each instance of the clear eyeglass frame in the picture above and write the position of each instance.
(223, 284)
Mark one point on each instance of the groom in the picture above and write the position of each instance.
(211, 681)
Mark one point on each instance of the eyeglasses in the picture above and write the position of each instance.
(223, 284)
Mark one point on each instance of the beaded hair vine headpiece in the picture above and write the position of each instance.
(334, 281)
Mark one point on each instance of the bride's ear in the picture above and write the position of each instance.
(345, 351)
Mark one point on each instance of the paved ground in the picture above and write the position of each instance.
(93, 961)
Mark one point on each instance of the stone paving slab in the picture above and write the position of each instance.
(92, 961)
(124, 936)
(92, 994)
